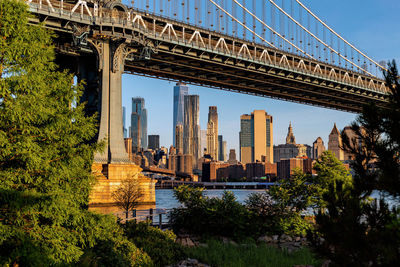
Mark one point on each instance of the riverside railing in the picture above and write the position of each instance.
(156, 217)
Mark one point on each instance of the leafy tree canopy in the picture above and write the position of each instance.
(45, 157)
(357, 230)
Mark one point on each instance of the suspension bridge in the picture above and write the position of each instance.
(278, 49)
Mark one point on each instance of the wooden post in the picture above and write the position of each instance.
(160, 220)
(151, 215)
(134, 214)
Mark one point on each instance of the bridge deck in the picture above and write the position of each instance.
(184, 52)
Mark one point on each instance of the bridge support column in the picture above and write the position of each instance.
(111, 62)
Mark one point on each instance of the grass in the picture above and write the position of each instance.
(218, 254)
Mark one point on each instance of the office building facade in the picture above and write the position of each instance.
(256, 137)
(154, 142)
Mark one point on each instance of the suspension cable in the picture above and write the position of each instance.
(235, 19)
(330, 29)
(313, 35)
(277, 33)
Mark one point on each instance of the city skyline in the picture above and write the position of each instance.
(309, 122)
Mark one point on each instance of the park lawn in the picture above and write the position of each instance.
(219, 254)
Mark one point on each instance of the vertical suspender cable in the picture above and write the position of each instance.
(272, 24)
(281, 28)
(239, 22)
(226, 18)
(196, 11)
(275, 32)
(183, 9)
(264, 7)
(310, 47)
(187, 10)
(234, 24)
(244, 19)
(254, 20)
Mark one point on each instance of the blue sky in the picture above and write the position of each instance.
(371, 25)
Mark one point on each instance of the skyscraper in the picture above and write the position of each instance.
(256, 137)
(180, 90)
(203, 142)
(124, 130)
(318, 148)
(179, 138)
(138, 124)
(154, 142)
(335, 143)
(191, 128)
(224, 151)
(220, 148)
(212, 132)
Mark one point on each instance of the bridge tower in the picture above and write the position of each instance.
(99, 61)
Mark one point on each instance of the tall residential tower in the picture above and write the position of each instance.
(191, 128)
(138, 124)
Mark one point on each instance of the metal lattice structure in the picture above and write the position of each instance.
(279, 50)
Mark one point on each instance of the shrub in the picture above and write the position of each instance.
(107, 245)
(269, 217)
(205, 216)
(159, 245)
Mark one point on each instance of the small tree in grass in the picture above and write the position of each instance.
(128, 194)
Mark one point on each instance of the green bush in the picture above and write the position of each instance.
(205, 216)
(159, 245)
(107, 244)
(269, 217)
(263, 213)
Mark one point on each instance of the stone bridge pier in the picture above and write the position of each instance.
(111, 56)
(101, 73)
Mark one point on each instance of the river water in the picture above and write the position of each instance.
(165, 197)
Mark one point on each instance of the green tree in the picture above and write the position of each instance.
(296, 193)
(356, 229)
(292, 197)
(45, 158)
(331, 174)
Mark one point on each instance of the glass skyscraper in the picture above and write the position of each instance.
(138, 124)
(123, 122)
(180, 90)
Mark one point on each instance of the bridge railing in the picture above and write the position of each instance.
(156, 217)
(236, 48)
